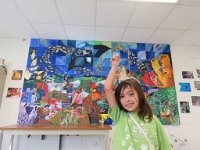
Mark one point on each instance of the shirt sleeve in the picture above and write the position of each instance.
(115, 113)
(163, 139)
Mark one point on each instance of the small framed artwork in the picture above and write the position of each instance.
(196, 100)
(197, 85)
(13, 93)
(16, 74)
(184, 87)
(185, 108)
(187, 74)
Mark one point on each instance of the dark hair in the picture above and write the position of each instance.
(145, 111)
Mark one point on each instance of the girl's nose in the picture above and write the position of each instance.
(127, 98)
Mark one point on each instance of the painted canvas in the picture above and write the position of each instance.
(64, 80)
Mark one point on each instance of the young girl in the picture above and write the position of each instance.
(136, 126)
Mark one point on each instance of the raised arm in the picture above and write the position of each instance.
(108, 86)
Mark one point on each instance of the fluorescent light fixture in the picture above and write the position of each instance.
(156, 1)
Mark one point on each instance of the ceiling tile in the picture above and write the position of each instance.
(164, 36)
(50, 31)
(198, 43)
(108, 34)
(10, 13)
(189, 2)
(19, 30)
(39, 11)
(4, 33)
(137, 35)
(181, 18)
(196, 26)
(113, 13)
(188, 38)
(80, 32)
(112, 16)
(77, 12)
(149, 15)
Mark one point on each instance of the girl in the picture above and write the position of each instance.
(136, 126)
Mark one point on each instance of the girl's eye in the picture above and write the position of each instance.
(131, 94)
(121, 96)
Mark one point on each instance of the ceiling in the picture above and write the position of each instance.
(104, 20)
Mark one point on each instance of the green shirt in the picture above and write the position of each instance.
(127, 136)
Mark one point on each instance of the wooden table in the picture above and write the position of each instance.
(9, 132)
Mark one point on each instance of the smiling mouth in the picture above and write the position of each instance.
(129, 105)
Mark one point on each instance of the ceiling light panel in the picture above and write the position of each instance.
(157, 1)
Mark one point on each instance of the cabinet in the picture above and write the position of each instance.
(12, 131)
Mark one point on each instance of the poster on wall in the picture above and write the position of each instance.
(185, 108)
(184, 87)
(197, 85)
(64, 80)
(196, 100)
(16, 74)
(13, 92)
(187, 74)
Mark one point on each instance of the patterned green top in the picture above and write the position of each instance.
(128, 137)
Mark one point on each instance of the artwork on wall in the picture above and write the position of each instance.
(64, 80)
(17, 74)
(197, 85)
(184, 87)
(13, 93)
(188, 74)
(196, 100)
(185, 108)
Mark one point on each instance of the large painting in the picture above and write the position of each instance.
(64, 80)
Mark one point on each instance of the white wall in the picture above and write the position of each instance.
(184, 58)
(15, 52)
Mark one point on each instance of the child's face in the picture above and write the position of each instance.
(130, 100)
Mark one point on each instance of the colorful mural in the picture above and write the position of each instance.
(64, 79)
